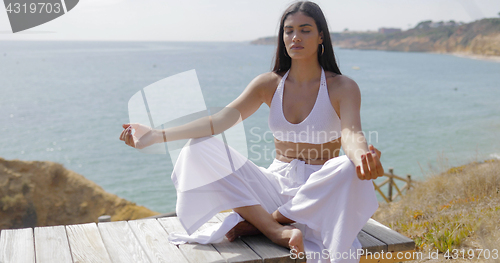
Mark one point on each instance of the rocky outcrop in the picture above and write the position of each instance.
(477, 38)
(480, 37)
(34, 193)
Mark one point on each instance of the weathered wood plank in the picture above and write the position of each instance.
(17, 245)
(236, 251)
(154, 240)
(51, 245)
(262, 246)
(370, 243)
(267, 250)
(394, 240)
(193, 252)
(121, 242)
(147, 241)
(86, 244)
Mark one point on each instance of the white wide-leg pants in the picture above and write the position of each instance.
(328, 202)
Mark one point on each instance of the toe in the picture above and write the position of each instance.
(229, 235)
(296, 240)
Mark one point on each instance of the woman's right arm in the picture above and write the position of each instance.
(238, 110)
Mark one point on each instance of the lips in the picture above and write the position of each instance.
(296, 47)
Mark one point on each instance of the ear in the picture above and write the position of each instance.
(321, 37)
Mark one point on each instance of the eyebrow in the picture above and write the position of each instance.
(303, 25)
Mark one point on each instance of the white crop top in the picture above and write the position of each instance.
(320, 126)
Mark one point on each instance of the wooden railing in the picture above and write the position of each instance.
(391, 181)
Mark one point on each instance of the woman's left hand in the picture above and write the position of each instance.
(370, 167)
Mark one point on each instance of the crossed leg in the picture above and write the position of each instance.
(245, 228)
(258, 219)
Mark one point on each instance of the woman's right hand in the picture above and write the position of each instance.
(143, 137)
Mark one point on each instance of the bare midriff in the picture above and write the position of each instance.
(309, 153)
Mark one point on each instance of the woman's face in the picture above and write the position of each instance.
(301, 36)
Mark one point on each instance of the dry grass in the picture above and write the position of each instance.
(455, 209)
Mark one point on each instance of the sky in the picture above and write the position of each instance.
(234, 20)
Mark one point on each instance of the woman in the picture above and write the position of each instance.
(329, 198)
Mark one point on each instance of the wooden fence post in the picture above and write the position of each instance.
(391, 173)
(104, 218)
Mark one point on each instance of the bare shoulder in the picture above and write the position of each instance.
(341, 85)
(267, 79)
(342, 88)
(265, 84)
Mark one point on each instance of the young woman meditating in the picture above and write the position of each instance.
(310, 198)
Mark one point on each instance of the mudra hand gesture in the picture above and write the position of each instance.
(370, 167)
(143, 137)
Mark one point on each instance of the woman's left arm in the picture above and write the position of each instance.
(366, 159)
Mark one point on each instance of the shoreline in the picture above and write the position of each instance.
(475, 56)
(456, 54)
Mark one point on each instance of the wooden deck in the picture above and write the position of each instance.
(146, 240)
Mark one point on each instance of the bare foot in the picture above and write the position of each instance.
(291, 237)
(243, 228)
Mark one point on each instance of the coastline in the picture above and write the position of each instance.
(475, 56)
(45, 193)
(456, 54)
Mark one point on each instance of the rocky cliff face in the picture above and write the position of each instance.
(34, 193)
(480, 37)
(477, 38)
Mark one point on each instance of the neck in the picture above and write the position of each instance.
(305, 71)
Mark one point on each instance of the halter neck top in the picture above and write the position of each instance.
(320, 126)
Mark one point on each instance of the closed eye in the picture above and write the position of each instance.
(303, 31)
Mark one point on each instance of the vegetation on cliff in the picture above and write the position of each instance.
(480, 37)
(456, 209)
(34, 193)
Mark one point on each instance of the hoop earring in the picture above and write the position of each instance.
(322, 49)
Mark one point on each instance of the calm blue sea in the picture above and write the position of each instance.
(66, 101)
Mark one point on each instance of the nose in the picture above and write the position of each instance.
(295, 37)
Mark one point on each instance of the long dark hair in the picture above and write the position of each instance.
(283, 62)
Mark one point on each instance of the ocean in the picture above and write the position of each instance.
(66, 101)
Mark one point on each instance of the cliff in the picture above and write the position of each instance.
(480, 37)
(34, 193)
